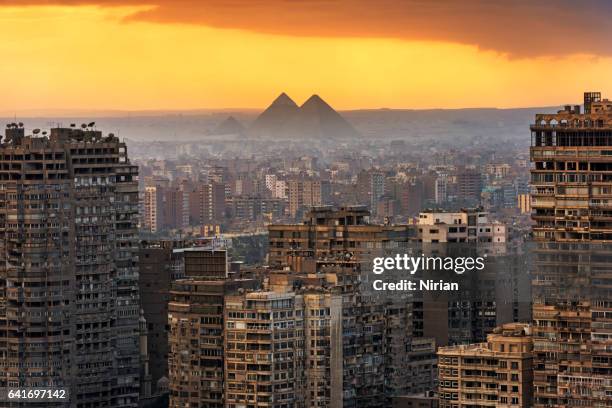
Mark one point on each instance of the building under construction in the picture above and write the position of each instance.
(571, 179)
(69, 303)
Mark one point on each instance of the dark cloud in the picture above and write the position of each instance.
(520, 28)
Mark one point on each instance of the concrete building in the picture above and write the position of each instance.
(524, 203)
(495, 374)
(488, 298)
(264, 350)
(468, 225)
(572, 211)
(332, 233)
(153, 208)
(441, 189)
(469, 185)
(68, 272)
(159, 266)
(304, 193)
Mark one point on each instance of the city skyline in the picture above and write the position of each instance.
(133, 55)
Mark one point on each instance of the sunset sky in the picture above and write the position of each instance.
(187, 54)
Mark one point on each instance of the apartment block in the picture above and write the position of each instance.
(303, 194)
(572, 211)
(495, 374)
(69, 265)
(196, 341)
(264, 350)
(333, 233)
(468, 225)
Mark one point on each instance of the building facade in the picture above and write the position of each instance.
(572, 211)
(69, 269)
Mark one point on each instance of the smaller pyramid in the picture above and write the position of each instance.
(230, 126)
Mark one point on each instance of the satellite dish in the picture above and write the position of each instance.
(36, 131)
(83, 126)
(72, 125)
(20, 124)
(44, 133)
(92, 124)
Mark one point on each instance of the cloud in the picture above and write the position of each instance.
(519, 28)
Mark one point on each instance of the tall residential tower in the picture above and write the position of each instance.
(571, 182)
(69, 304)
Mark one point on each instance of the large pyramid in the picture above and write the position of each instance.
(314, 119)
(276, 118)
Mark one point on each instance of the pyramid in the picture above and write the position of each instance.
(321, 120)
(314, 119)
(276, 118)
(229, 126)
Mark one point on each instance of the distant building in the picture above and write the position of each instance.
(469, 185)
(468, 225)
(332, 233)
(524, 203)
(304, 193)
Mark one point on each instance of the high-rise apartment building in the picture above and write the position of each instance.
(264, 350)
(197, 328)
(494, 374)
(206, 203)
(330, 233)
(68, 269)
(304, 193)
(153, 208)
(469, 185)
(572, 210)
(497, 294)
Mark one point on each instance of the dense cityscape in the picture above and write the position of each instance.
(235, 271)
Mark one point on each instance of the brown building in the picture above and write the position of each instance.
(469, 185)
(304, 193)
(264, 350)
(331, 233)
(160, 264)
(196, 350)
(206, 203)
(495, 374)
(69, 303)
(572, 210)
(196, 320)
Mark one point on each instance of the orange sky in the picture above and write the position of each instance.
(134, 55)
